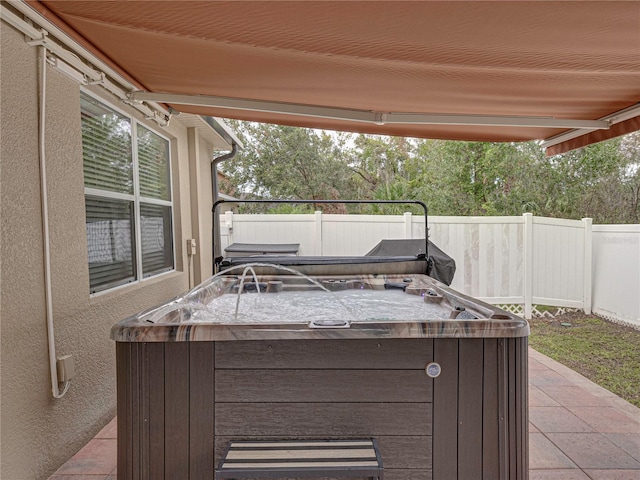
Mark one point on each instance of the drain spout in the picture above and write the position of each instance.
(216, 239)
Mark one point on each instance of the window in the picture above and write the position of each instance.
(127, 184)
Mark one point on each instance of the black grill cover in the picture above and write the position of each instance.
(441, 266)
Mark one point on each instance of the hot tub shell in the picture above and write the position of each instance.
(185, 389)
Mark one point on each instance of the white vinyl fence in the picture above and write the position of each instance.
(616, 269)
(522, 260)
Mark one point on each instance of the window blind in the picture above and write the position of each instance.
(153, 165)
(110, 242)
(155, 233)
(106, 148)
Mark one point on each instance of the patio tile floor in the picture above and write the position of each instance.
(97, 460)
(577, 431)
(558, 474)
(556, 419)
(537, 398)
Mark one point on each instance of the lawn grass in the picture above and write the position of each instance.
(604, 352)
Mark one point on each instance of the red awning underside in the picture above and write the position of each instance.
(575, 60)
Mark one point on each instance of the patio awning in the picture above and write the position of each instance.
(486, 71)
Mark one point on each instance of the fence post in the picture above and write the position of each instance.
(408, 231)
(588, 264)
(318, 237)
(228, 222)
(528, 265)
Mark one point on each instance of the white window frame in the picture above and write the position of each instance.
(136, 198)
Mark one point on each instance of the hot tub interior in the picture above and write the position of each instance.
(252, 294)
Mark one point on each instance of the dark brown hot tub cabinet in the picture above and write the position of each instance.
(185, 390)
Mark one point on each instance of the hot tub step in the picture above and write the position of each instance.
(301, 458)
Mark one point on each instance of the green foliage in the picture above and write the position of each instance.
(289, 208)
(288, 163)
(601, 181)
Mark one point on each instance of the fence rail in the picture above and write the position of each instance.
(521, 260)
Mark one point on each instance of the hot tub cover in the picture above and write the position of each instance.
(315, 265)
(442, 266)
(264, 248)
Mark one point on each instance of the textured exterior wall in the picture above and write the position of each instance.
(39, 433)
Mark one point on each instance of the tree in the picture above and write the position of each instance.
(601, 181)
(474, 178)
(630, 173)
(289, 163)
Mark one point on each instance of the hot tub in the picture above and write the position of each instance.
(438, 378)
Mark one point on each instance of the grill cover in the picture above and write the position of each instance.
(442, 266)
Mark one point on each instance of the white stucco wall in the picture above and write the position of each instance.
(40, 433)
